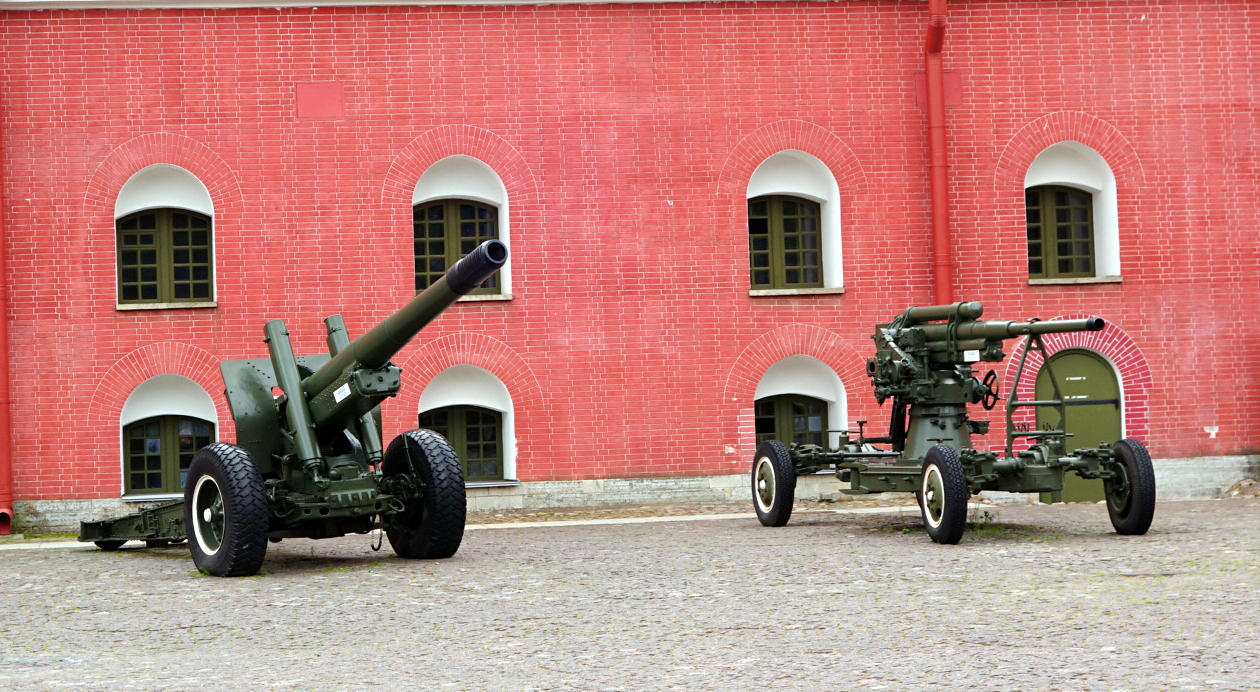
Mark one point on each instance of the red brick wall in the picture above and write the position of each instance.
(625, 135)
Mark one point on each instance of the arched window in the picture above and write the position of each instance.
(793, 226)
(476, 434)
(458, 203)
(792, 418)
(1071, 215)
(473, 409)
(446, 230)
(158, 450)
(164, 235)
(800, 398)
(163, 423)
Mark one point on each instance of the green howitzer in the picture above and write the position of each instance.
(923, 362)
(309, 461)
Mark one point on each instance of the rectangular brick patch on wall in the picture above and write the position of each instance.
(318, 101)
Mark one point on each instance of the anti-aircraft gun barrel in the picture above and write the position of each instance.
(1007, 329)
(968, 310)
(374, 348)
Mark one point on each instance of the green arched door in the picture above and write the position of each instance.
(1092, 394)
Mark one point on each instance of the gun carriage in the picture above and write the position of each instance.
(923, 362)
(308, 460)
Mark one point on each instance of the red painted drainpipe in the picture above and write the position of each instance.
(942, 253)
(6, 442)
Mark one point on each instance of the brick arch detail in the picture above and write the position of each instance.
(751, 364)
(163, 358)
(466, 348)
(438, 143)
(1050, 129)
(781, 135)
(1114, 345)
(131, 156)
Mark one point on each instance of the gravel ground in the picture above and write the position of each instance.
(1035, 597)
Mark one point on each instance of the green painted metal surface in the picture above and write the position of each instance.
(308, 439)
(925, 362)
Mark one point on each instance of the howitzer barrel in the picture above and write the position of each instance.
(376, 346)
(1007, 329)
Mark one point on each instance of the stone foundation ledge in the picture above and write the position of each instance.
(1175, 479)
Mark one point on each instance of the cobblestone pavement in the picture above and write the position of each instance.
(1035, 597)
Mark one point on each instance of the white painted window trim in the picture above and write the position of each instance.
(161, 395)
(1076, 165)
(466, 177)
(808, 376)
(470, 385)
(800, 174)
(166, 186)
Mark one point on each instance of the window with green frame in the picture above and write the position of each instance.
(784, 242)
(476, 435)
(791, 418)
(446, 230)
(1060, 232)
(164, 256)
(157, 452)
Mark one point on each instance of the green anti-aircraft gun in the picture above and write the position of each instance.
(923, 362)
(309, 460)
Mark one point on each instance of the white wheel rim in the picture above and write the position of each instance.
(763, 476)
(206, 496)
(933, 492)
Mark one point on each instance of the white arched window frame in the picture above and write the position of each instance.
(799, 174)
(167, 186)
(809, 376)
(466, 177)
(469, 385)
(1076, 165)
(163, 395)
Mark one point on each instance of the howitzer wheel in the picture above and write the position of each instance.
(432, 525)
(943, 495)
(1131, 492)
(226, 512)
(773, 483)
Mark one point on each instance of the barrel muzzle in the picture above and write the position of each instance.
(477, 266)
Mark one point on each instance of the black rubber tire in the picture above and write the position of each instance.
(109, 546)
(943, 495)
(1131, 500)
(773, 483)
(225, 512)
(432, 526)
